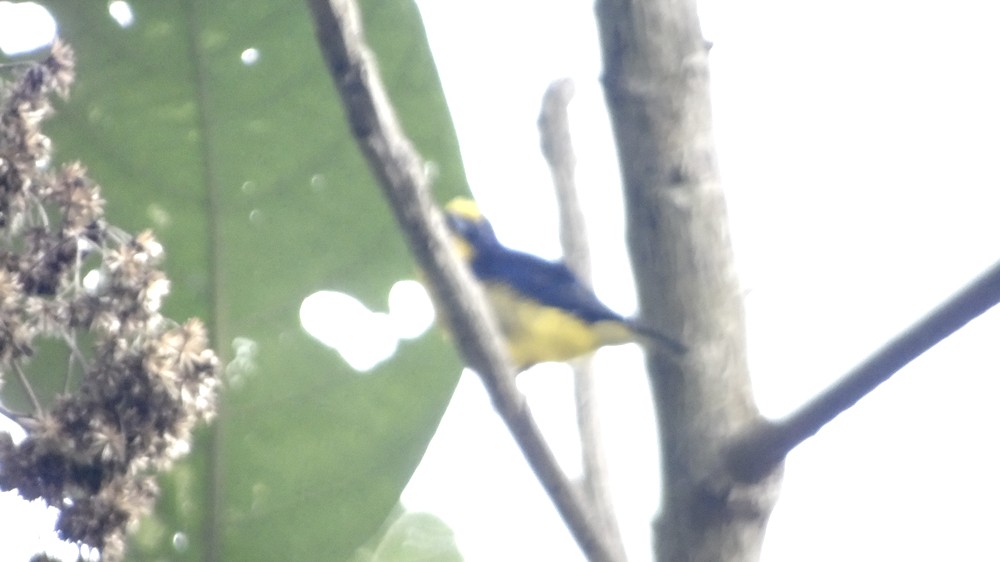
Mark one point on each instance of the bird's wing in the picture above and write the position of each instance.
(549, 283)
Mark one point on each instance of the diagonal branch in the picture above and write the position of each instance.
(557, 147)
(765, 444)
(401, 173)
(23, 379)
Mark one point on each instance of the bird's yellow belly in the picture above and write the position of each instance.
(536, 333)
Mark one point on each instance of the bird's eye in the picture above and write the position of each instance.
(476, 232)
(460, 226)
(455, 225)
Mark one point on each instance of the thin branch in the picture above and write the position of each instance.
(69, 337)
(557, 147)
(401, 173)
(765, 445)
(27, 387)
(11, 414)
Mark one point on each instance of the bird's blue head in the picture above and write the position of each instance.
(472, 231)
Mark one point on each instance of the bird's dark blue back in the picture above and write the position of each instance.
(549, 283)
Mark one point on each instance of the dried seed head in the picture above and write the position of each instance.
(143, 380)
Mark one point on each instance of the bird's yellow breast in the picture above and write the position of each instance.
(536, 333)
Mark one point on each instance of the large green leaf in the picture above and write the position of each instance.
(249, 176)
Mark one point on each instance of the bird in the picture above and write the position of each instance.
(544, 311)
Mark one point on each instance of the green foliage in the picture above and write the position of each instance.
(248, 175)
(411, 537)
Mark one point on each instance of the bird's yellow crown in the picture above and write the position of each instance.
(465, 208)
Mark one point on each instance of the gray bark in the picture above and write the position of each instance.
(656, 85)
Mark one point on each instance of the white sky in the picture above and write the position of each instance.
(858, 143)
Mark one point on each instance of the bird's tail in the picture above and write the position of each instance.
(658, 338)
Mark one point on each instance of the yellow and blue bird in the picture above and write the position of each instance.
(544, 311)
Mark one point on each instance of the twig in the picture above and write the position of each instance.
(11, 414)
(74, 353)
(557, 147)
(400, 171)
(763, 446)
(27, 387)
(18, 64)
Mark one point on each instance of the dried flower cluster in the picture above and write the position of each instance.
(65, 275)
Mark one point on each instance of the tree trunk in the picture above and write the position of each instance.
(656, 87)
